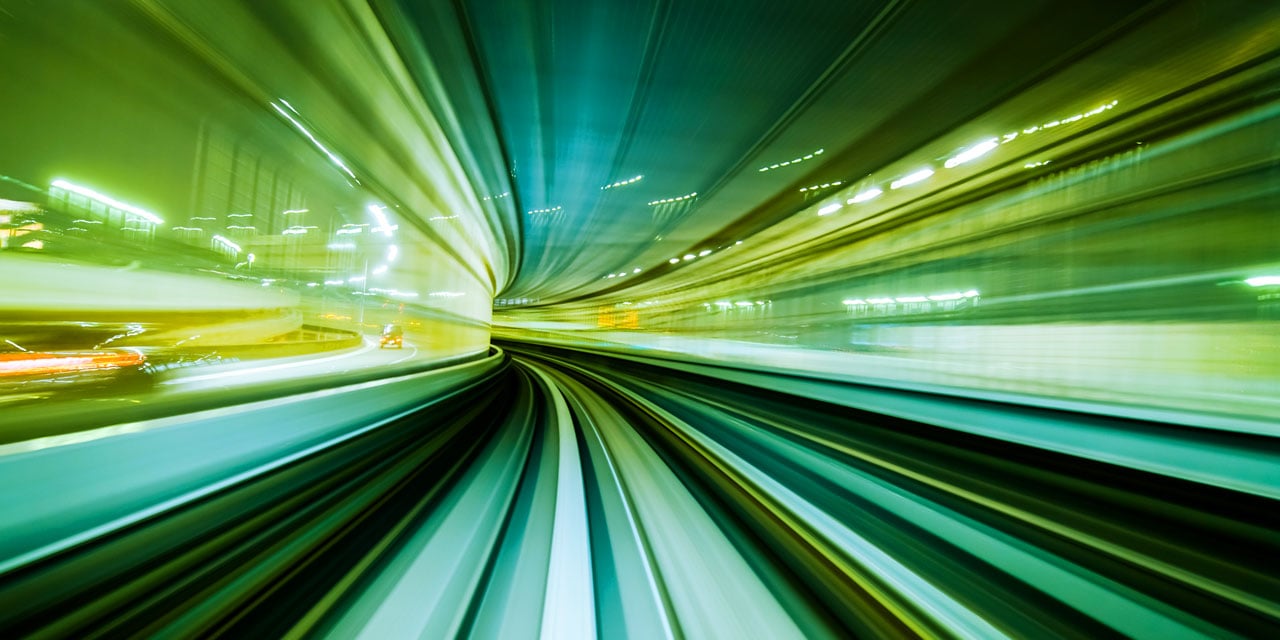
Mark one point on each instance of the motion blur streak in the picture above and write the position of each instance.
(646, 319)
(450, 518)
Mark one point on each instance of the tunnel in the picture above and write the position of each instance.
(648, 319)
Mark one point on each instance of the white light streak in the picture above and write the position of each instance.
(825, 185)
(622, 183)
(393, 252)
(829, 209)
(1263, 281)
(108, 200)
(869, 194)
(911, 178)
(332, 157)
(676, 199)
(972, 153)
(808, 156)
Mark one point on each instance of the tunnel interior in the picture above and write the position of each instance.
(652, 319)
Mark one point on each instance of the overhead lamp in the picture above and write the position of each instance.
(622, 183)
(675, 199)
(869, 194)
(972, 153)
(911, 178)
(798, 160)
(107, 200)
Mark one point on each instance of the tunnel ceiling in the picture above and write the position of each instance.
(613, 115)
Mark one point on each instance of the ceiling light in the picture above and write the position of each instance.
(972, 153)
(911, 178)
(869, 194)
(676, 199)
(107, 200)
(825, 185)
(622, 183)
(808, 156)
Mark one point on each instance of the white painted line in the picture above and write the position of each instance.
(412, 354)
(240, 372)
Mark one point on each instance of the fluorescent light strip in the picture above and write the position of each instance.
(972, 153)
(107, 200)
(788, 163)
(825, 185)
(622, 183)
(911, 178)
(677, 199)
(869, 194)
